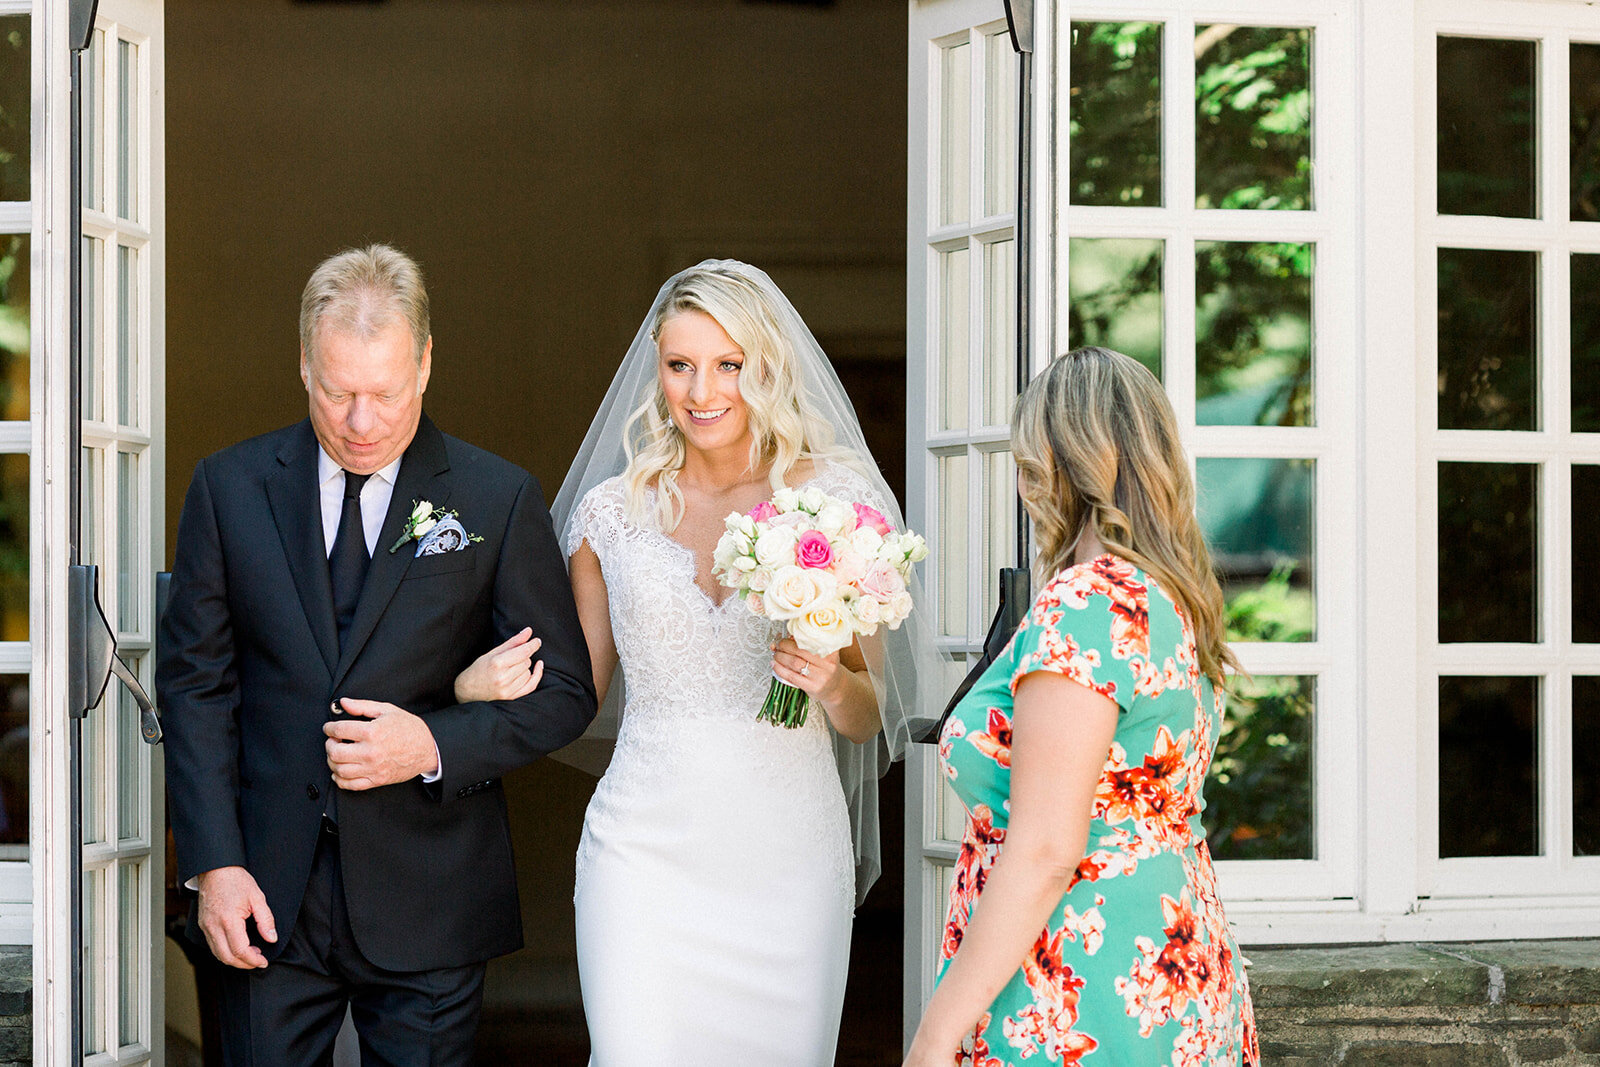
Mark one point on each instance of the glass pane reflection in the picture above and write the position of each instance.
(1253, 334)
(999, 525)
(14, 759)
(130, 565)
(1259, 798)
(14, 335)
(955, 134)
(1586, 766)
(1488, 339)
(1488, 747)
(955, 344)
(999, 331)
(13, 547)
(1259, 520)
(1584, 136)
(1114, 289)
(952, 547)
(1252, 117)
(1488, 552)
(999, 125)
(1585, 553)
(130, 954)
(94, 950)
(132, 761)
(1585, 343)
(1115, 114)
(16, 94)
(1487, 118)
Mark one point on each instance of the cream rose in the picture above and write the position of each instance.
(421, 528)
(822, 630)
(813, 500)
(775, 546)
(793, 591)
(836, 519)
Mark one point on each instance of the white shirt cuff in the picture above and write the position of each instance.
(438, 766)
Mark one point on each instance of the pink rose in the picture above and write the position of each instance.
(870, 516)
(762, 511)
(755, 604)
(813, 550)
(881, 582)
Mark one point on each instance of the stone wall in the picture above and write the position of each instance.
(1493, 1004)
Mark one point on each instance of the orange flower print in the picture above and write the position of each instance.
(980, 846)
(974, 1050)
(995, 742)
(954, 730)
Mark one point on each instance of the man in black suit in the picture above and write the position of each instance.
(337, 809)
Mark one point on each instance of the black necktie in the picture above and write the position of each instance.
(347, 563)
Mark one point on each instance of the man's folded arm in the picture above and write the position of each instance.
(481, 740)
(198, 690)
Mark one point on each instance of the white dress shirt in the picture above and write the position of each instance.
(375, 497)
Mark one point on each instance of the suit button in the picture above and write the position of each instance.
(313, 793)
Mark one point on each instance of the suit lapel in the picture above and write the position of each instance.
(423, 476)
(296, 504)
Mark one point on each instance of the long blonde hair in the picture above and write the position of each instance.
(1096, 445)
(782, 431)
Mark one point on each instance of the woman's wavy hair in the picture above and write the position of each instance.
(1096, 445)
(782, 431)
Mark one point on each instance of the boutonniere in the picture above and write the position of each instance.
(438, 530)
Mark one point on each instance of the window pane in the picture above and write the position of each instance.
(16, 84)
(93, 73)
(1488, 748)
(999, 331)
(1584, 141)
(1487, 117)
(952, 815)
(952, 553)
(13, 547)
(955, 134)
(130, 568)
(1252, 121)
(1000, 125)
(132, 807)
(127, 130)
(127, 340)
(14, 344)
(955, 278)
(14, 759)
(94, 251)
(999, 525)
(94, 951)
(1259, 797)
(130, 903)
(1586, 766)
(1586, 343)
(93, 774)
(89, 487)
(1488, 551)
(1253, 334)
(1585, 554)
(1259, 521)
(1488, 339)
(1114, 288)
(1115, 114)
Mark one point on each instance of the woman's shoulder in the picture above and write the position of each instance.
(1107, 582)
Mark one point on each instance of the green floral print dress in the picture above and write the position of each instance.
(1136, 964)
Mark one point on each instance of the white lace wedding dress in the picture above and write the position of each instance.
(715, 879)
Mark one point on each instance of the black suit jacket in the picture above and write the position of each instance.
(249, 664)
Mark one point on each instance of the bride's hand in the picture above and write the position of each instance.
(817, 675)
(503, 673)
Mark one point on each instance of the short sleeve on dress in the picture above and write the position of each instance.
(1089, 624)
(597, 519)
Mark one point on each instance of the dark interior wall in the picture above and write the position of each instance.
(549, 162)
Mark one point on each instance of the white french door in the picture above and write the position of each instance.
(961, 285)
(122, 853)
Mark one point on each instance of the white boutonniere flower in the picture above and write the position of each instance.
(424, 517)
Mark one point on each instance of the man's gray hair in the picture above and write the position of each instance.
(364, 291)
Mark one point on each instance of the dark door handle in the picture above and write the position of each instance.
(92, 654)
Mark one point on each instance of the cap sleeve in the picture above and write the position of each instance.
(597, 519)
(1090, 624)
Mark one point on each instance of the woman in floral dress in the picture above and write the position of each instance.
(1084, 925)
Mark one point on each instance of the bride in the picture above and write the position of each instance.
(722, 857)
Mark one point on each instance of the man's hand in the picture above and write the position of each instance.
(229, 897)
(392, 746)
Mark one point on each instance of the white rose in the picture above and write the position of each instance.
(744, 563)
(918, 549)
(423, 509)
(866, 541)
(868, 613)
(824, 629)
(786, 499)
(775, 546)
(813, 500)
(794, 590)
(722, 556)
(836, 519)
(900, 607)
(760, 578)
(421, 528)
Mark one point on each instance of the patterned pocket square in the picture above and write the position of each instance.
(448, 535)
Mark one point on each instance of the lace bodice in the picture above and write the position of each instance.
(695, 673)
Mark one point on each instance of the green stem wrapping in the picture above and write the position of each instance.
(785, 705)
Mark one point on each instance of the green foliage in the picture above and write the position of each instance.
(1115, 113)
(1252, 117)
(1259, 798)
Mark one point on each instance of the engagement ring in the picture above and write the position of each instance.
(805, 669)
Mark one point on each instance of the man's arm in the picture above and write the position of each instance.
(198, 690)
(480, 740)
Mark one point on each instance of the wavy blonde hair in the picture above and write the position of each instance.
(1096, 445)
(783, 432)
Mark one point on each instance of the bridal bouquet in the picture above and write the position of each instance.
(831, 569)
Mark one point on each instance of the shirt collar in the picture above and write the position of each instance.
(328, 468)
